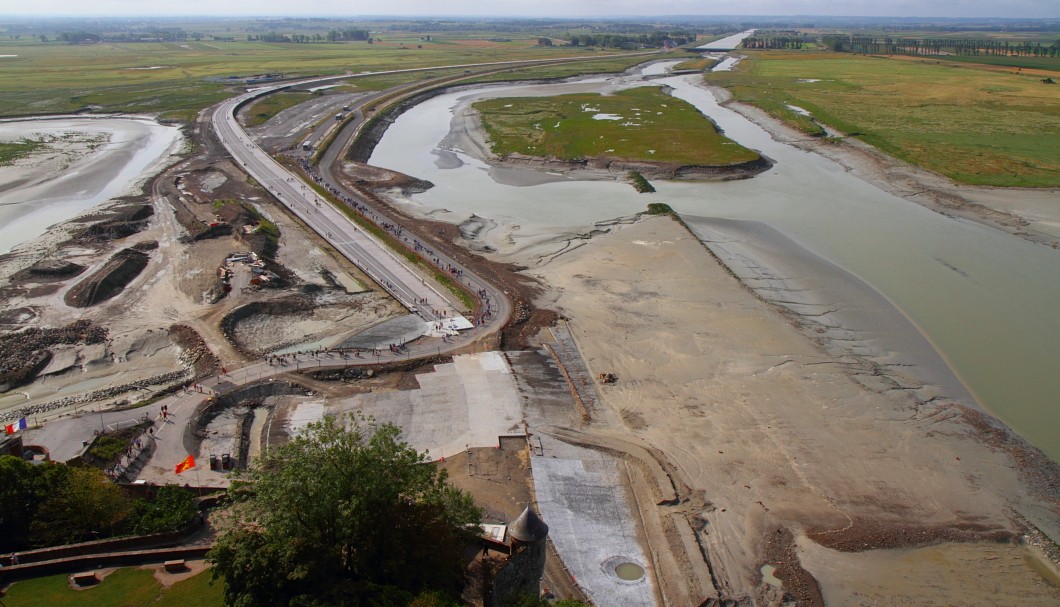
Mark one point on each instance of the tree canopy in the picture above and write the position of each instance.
(344, 516)
(48, 504)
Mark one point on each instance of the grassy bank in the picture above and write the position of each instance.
(636, 124)
(975, 125)
(696, 64)
(123, 587)
(268, 106)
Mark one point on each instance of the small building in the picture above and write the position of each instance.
(11, 444)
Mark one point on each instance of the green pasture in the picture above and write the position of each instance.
(975, 124)
(1035, 63)
(171, 78)
(652, 126)
(608, 65)
(127, 587)
(268, 106)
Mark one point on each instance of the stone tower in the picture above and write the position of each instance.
(522, 573)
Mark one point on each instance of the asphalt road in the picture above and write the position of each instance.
(392, 273)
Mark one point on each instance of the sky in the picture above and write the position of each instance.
(540, 8)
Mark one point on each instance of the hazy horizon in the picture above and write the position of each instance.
(604, 9)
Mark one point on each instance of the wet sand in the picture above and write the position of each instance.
(764, 424)
(850, 319)
(85, 162)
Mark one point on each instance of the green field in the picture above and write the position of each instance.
(268, 106)
(652, 126)
(567, 70)
(171, 78)
(975, 124)
(696, 64)
(124, 588)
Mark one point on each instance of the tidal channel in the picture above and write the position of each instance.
(982, 303)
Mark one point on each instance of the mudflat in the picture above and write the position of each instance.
(770, 434)
(81, 163)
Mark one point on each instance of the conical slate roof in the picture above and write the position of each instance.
(528, 527)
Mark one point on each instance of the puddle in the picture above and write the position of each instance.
(769, 578)
(630, 572)
(624, 570)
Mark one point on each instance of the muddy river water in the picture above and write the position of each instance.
(950, 298)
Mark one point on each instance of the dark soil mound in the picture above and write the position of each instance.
(50, 269)
(196, 354)
(126, 223)
(109, 280)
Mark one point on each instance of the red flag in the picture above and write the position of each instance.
(187, 464)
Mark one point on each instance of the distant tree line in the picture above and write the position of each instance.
(652, 40)
(887, 45)
(349, 34)
(334, 35)
(781, 40)
(150, 34)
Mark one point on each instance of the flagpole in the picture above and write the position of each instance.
(197, 482)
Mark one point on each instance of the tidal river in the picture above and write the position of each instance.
(986, 301)
(83, 162)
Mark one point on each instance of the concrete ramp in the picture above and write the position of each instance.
(469, 402)
(590, 521)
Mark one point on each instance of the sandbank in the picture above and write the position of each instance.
(763, 425)
(85, 162)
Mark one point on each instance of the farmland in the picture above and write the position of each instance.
(171, 78)
(636, 124)
(976, 124)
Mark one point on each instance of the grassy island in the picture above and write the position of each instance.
(641, 124)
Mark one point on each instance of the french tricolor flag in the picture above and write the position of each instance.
(15, 427)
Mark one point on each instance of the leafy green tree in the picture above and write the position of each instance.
(87, 506)
(344, 516)
(23, 488)
(172, 508)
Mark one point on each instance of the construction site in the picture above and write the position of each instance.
(676, 434)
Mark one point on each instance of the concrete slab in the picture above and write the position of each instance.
(469, 402)
(304, 414)
(590, 521)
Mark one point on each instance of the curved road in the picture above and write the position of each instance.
(64, 436)
(390, 271)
